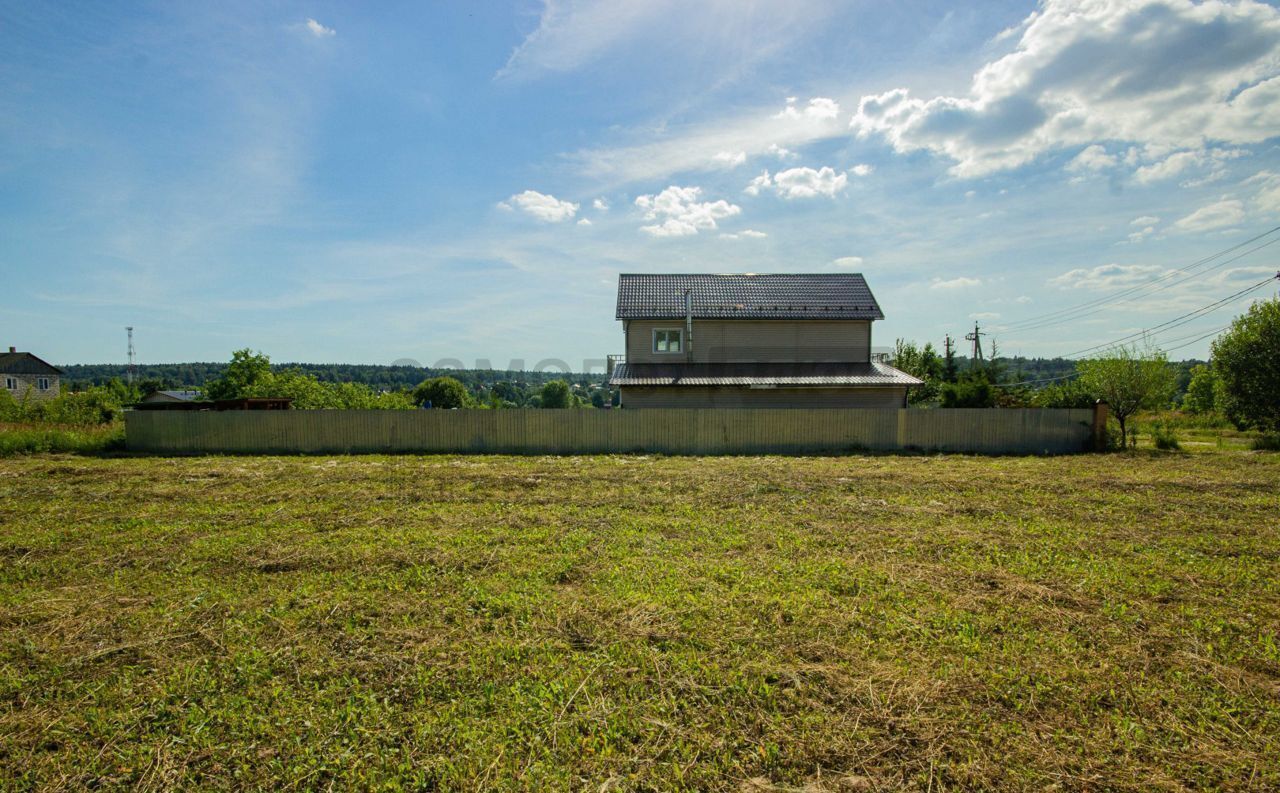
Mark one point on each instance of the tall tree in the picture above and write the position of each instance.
(1200, 391)
(1128, 379)
(246, 370)
(1247, 360)
(442, 392)
(556, 394)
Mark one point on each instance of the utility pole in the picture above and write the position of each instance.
(976, 338)
(133, 367)
(949, 360)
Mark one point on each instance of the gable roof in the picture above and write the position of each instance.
(25, 363)
(747, 296)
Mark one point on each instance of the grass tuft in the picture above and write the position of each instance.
(30, 438)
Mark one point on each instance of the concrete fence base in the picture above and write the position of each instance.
(665, 431)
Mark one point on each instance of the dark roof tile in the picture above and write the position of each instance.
(747, 296)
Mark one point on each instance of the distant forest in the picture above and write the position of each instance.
(381, 378)
(392, 378)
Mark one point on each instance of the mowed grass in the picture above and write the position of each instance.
(641, 623)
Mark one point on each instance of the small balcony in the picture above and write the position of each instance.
(612, 361)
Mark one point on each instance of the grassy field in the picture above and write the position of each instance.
(641, 623)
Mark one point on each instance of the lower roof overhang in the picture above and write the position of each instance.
(763, 375)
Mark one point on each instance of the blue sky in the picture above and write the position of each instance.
(370, 182)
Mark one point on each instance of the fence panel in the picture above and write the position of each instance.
(659, 430)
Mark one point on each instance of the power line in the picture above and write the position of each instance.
(1177, 321)
(1141, 290)
(1069, 313)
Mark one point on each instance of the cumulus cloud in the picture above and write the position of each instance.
(1167, 168)
(781, 153)
(601, 204)
(584, 222)
(761, 182)
(802, 182)
(848, 261)
(985, 315)
(1227, 212)
(1267, 199)
(1166, 73)
(678, 212)
(1106, 276)
(729, 159)
(1145, 220)
(547, 208)
(745, 234)
(318, 30)
(1093, 158)
(862, 169)
(959, 282)
(819, 109)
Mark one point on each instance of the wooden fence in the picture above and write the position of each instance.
(665, 431)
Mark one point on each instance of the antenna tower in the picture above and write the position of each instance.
(133, 366)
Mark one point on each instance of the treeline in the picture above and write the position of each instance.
(251, 374)
(382, 378)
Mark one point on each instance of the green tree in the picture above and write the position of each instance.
(922, 362)
(556, 394)
(1128, 379)
(1069, 394)
(972, 390)
(1247, 360)
(1200, 390)
(442, 392)
(246, 370)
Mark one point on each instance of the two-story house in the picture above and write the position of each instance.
(747, 340)
(25, 376)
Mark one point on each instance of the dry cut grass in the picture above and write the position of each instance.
(641, 623)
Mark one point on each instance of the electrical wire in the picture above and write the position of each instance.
(1072, 312)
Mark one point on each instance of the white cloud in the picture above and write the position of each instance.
(601, 204)
(959, 282)
(1145, 220)
(1267, 199)
(985, 315)
(1141, 234)
(729, 159)
(819, 109)
(848, 261)
(781, 153)
(320, 31)
(547, 208)
(1106, 276)
(748, 234)
(1163, 73)
(1167, 168)
(679, 212)
(1227, 212)
(759, 183)
(808, 183)
(1022, 300)
(862, 169)
(584, 222)
(1093, 158)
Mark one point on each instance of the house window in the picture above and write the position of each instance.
(42, 383)
(668, 340)
(11, 383)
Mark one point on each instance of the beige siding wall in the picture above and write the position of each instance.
(28, 386)
(749, 341)
(739, 397)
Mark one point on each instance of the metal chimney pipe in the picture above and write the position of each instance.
(688, 325)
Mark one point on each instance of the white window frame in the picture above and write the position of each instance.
(42, 383)
(679, 335)
(11, 383)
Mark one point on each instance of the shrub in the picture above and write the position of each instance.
(1266, 443)
(1164, 435)
(973, 391)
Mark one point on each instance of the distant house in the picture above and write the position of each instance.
(25, 376)
(171, 396)
(746, 340)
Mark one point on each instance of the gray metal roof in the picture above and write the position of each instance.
(25, 363)
(760, 374)
(747, 296)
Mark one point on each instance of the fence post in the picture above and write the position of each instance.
(1100, 413)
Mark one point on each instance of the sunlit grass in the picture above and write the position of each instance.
(627, 623)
